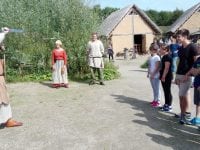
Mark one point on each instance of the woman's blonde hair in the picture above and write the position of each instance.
(58, 42)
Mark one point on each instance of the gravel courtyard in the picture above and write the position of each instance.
(116, 116)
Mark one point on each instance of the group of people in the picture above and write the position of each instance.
(162, 67)
(95, 52)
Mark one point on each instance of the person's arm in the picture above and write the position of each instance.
(195, 53)
(166, 70)
(157, 68)
(65, 57)
(148, 71)
(195, 71)
(52, 60)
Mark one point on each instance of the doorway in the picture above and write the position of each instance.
(138, 43)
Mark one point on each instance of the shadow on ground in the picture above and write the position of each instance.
(48, 84)
(139, 70)
(172, 134)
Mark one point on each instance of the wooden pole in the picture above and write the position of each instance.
(4, 65)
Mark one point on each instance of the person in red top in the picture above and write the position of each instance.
(59, 68)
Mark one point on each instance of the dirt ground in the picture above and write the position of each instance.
(116, 116)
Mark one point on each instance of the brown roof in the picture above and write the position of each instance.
(110, 23)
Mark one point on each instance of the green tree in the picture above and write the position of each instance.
(43, 22)
(105, 12)
(164, 18)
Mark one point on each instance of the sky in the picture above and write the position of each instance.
(166, 5)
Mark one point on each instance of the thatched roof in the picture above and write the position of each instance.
(195, 33)
(183, 18)
(110, 23)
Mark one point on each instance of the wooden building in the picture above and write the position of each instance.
(129, 28)
(190, 20)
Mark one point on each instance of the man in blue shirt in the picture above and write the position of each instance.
(174, 52)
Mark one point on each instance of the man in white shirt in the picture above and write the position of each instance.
(95, 51)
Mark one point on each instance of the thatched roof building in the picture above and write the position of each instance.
(190, 20)
(129, 28)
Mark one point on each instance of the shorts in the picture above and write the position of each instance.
(184, 87)
(196, 96)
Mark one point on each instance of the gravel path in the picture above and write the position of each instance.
(116, 116)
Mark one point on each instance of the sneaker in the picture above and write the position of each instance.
(156, 104)
(167, 108)
(181, 121)
(185, 119)
(163, 107)
(152, 102)
(178, 116)
(195, 121)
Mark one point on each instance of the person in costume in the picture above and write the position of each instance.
(59, 68)
(5, 108)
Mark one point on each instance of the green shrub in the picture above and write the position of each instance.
(111, 71)
(145, 64)
(34, 77)
(43, 22)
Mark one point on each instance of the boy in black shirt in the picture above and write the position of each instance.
(187, 55)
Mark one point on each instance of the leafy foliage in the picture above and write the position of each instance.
(164, 18)
(43, 22)
(105, 12)
(111, 71)
(144, 65)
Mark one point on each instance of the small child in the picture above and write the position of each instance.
(110, 53)
(166, 76)
(153, 74)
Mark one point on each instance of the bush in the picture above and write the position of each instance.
(43, 22)
(145, 64)
(111, 71)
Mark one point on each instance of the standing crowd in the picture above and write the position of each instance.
(162, 68)
(179, 63)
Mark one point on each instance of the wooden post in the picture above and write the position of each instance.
(4, 65)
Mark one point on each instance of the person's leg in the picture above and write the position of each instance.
(165, 91)
(168, 91)
(197, 101)
(153, 88)
(187, 107)
(168, 96)
(93, 70)
(157, 89)
(6, 117)
(198, 111)
(109, 56)
(181, 101)
(100, 75)
(185, 111)
(93, 78)
(196, 120)
(157, 92)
